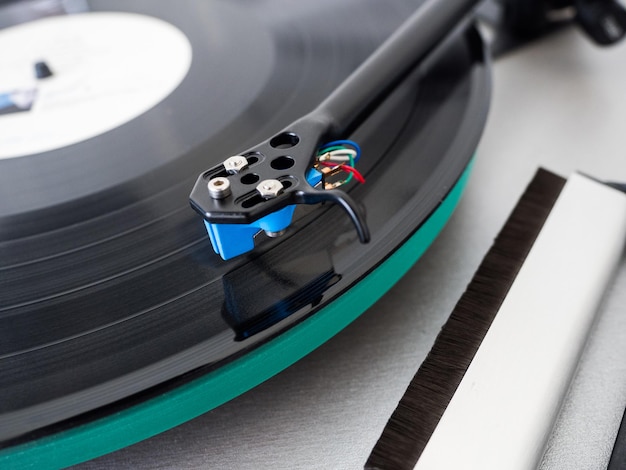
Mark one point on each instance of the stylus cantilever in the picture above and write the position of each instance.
(258, 190)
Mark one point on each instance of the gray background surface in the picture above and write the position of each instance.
(560, 104)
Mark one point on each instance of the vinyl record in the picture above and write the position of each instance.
(117, 319)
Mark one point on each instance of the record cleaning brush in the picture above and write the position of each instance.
(487, 394)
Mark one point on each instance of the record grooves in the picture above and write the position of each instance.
(113, 298)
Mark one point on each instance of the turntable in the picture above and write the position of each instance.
(119, 319)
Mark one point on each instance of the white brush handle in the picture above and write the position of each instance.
(506, 404)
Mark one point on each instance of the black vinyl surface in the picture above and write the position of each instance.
(109, 288)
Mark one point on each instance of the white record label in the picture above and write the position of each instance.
(107, 69)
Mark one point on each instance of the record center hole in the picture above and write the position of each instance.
(282, 163)
(250, 178)
(285, 140)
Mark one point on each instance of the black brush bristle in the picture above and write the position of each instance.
(408, 430)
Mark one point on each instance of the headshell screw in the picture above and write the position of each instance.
(219, 187)
(269, 189)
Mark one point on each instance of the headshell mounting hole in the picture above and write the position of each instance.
(253, 157)
(285, 140)
(282, 163)
(250, 178)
